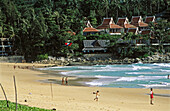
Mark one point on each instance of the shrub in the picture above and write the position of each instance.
(42, 57)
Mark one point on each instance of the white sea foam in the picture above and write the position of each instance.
(136, 73)
(140, 78)
(94, 83)
(162, 64)
(74, 72)
(165, 70)
(161, 84)
(140, 67)
(101, 82)
(100, 76)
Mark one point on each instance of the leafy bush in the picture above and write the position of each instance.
(42, 57)
(3, 107)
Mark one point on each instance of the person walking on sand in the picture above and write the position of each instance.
(62, 80)
(66, 79)
(97, 96)
(151, 97)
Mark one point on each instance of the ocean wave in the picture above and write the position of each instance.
(162, 64)
(165, 70)
(138, 73)
(162, 84)
(140, 67)
(94, 83)
(102, 81)
(73, 72)
(100, 76)
(140, 78)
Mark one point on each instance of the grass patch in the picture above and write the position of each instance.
(3, 107)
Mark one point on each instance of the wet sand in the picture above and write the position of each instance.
(32, 87)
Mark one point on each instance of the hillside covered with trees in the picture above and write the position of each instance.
(40, 27)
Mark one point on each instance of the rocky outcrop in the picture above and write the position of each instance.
(61, 61)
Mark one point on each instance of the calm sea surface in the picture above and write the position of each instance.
(125, 76)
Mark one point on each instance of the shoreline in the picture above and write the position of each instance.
(75, 98)
(73, 80)
(81, 81)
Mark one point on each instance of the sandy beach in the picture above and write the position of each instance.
(75, 98)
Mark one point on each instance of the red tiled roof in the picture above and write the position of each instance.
(106, 21)
(112, 26)
(90, 29)
(141, 24)
(105, 24)
(103, 27)
(135, 19)
(121, 21)
(129, 26)
(149, 19)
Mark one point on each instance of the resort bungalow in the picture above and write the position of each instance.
(150, 19)
(138, 22)
(116, 29)
(89, 29)
(104, 27)
(95, 46)
(133, 30)
(124, 22)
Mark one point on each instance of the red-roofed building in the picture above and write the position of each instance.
(90, 30)
(138, 22)
(88, 24)
(124, 22)
(105, 24)
(133, 30)
(115, 29)
(149, 19)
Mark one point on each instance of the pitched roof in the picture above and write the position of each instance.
(107, 21)
(105, 24)
(150, 19)
(141, 24)
(121, 21)
(88, 24)
(90, 29)
(95, 43)
(129, 26)
(103, 27)
(136, 19)
(112, 26)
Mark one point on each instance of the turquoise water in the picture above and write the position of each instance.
(125, 76)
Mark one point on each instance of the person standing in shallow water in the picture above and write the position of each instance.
(151, 97)
(66, 80)
(62, 80)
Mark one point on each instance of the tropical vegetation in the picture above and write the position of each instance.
(12, 106)
(42, 27)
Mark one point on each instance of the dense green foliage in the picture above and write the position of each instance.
(3, 107)
(42, 26)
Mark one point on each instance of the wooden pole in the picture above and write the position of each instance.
(15, 93)
(4, 95)
(51, 90)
